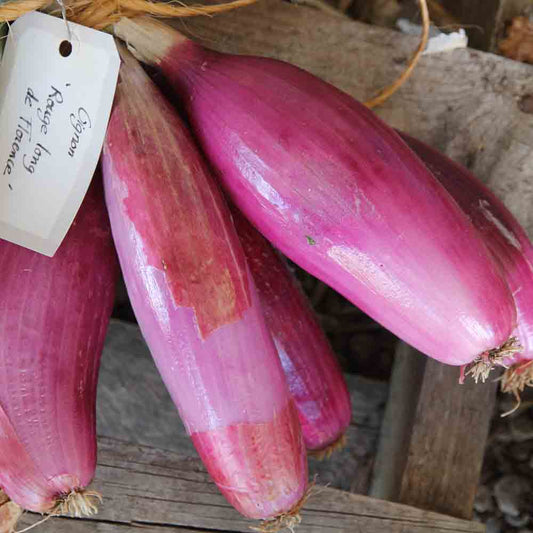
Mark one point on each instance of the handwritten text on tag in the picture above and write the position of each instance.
(55, 101)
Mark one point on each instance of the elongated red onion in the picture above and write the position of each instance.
(196, 304)
(506, 240)
(339, 192)
(313, 374)
(55, 313)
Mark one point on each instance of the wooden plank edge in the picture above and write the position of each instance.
(393, 446)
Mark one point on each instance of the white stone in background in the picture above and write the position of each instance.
(446, 42)
(438, 41)
(510, 492)
(483, 502)
(521, 428)
(518, 521)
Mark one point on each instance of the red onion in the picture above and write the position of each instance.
(196, 304)
(506, 240)
(313, 374)
(338, 192)
(55, 315)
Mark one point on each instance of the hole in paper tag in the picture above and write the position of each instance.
(65, 48)
(56, 93)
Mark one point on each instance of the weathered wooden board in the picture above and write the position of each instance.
(147, 487)
(397, 428)
(447, 443)
(434, 436)
(134, 406)
(70, 525)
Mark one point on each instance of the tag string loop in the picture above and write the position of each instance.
(64, 15)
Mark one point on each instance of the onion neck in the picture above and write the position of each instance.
(515, 379)
(78, 503)
(484, 363)
(148, 39)
(288, 520)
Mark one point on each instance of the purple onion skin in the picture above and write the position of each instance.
(55, 313)
(313, 373)
(340, 193)
(503, 235)
(196, 303)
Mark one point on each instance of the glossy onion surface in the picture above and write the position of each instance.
(196, 304)
(340, 193)
(313, 374)
(55, 313)
(503, 235)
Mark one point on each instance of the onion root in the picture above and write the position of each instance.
(288, 520)
(328, 451)
(482, 365)
(78, 503)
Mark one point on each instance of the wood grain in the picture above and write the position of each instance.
(147, 487)
(434, 436)
(447, 442)
(397, 428)
(70, 525)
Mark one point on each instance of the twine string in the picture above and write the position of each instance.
(64, 16)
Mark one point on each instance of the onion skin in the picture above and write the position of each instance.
(503, 235)
(312, 371)
(337, 191)
(256, 449)
(196, 304)
(55, 315)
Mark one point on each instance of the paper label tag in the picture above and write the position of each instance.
(53, 118)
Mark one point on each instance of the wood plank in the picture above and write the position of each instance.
(148, 487)
(447, 443)
(397, 428)
(430, 456)
(453, 100)
(76, 525)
